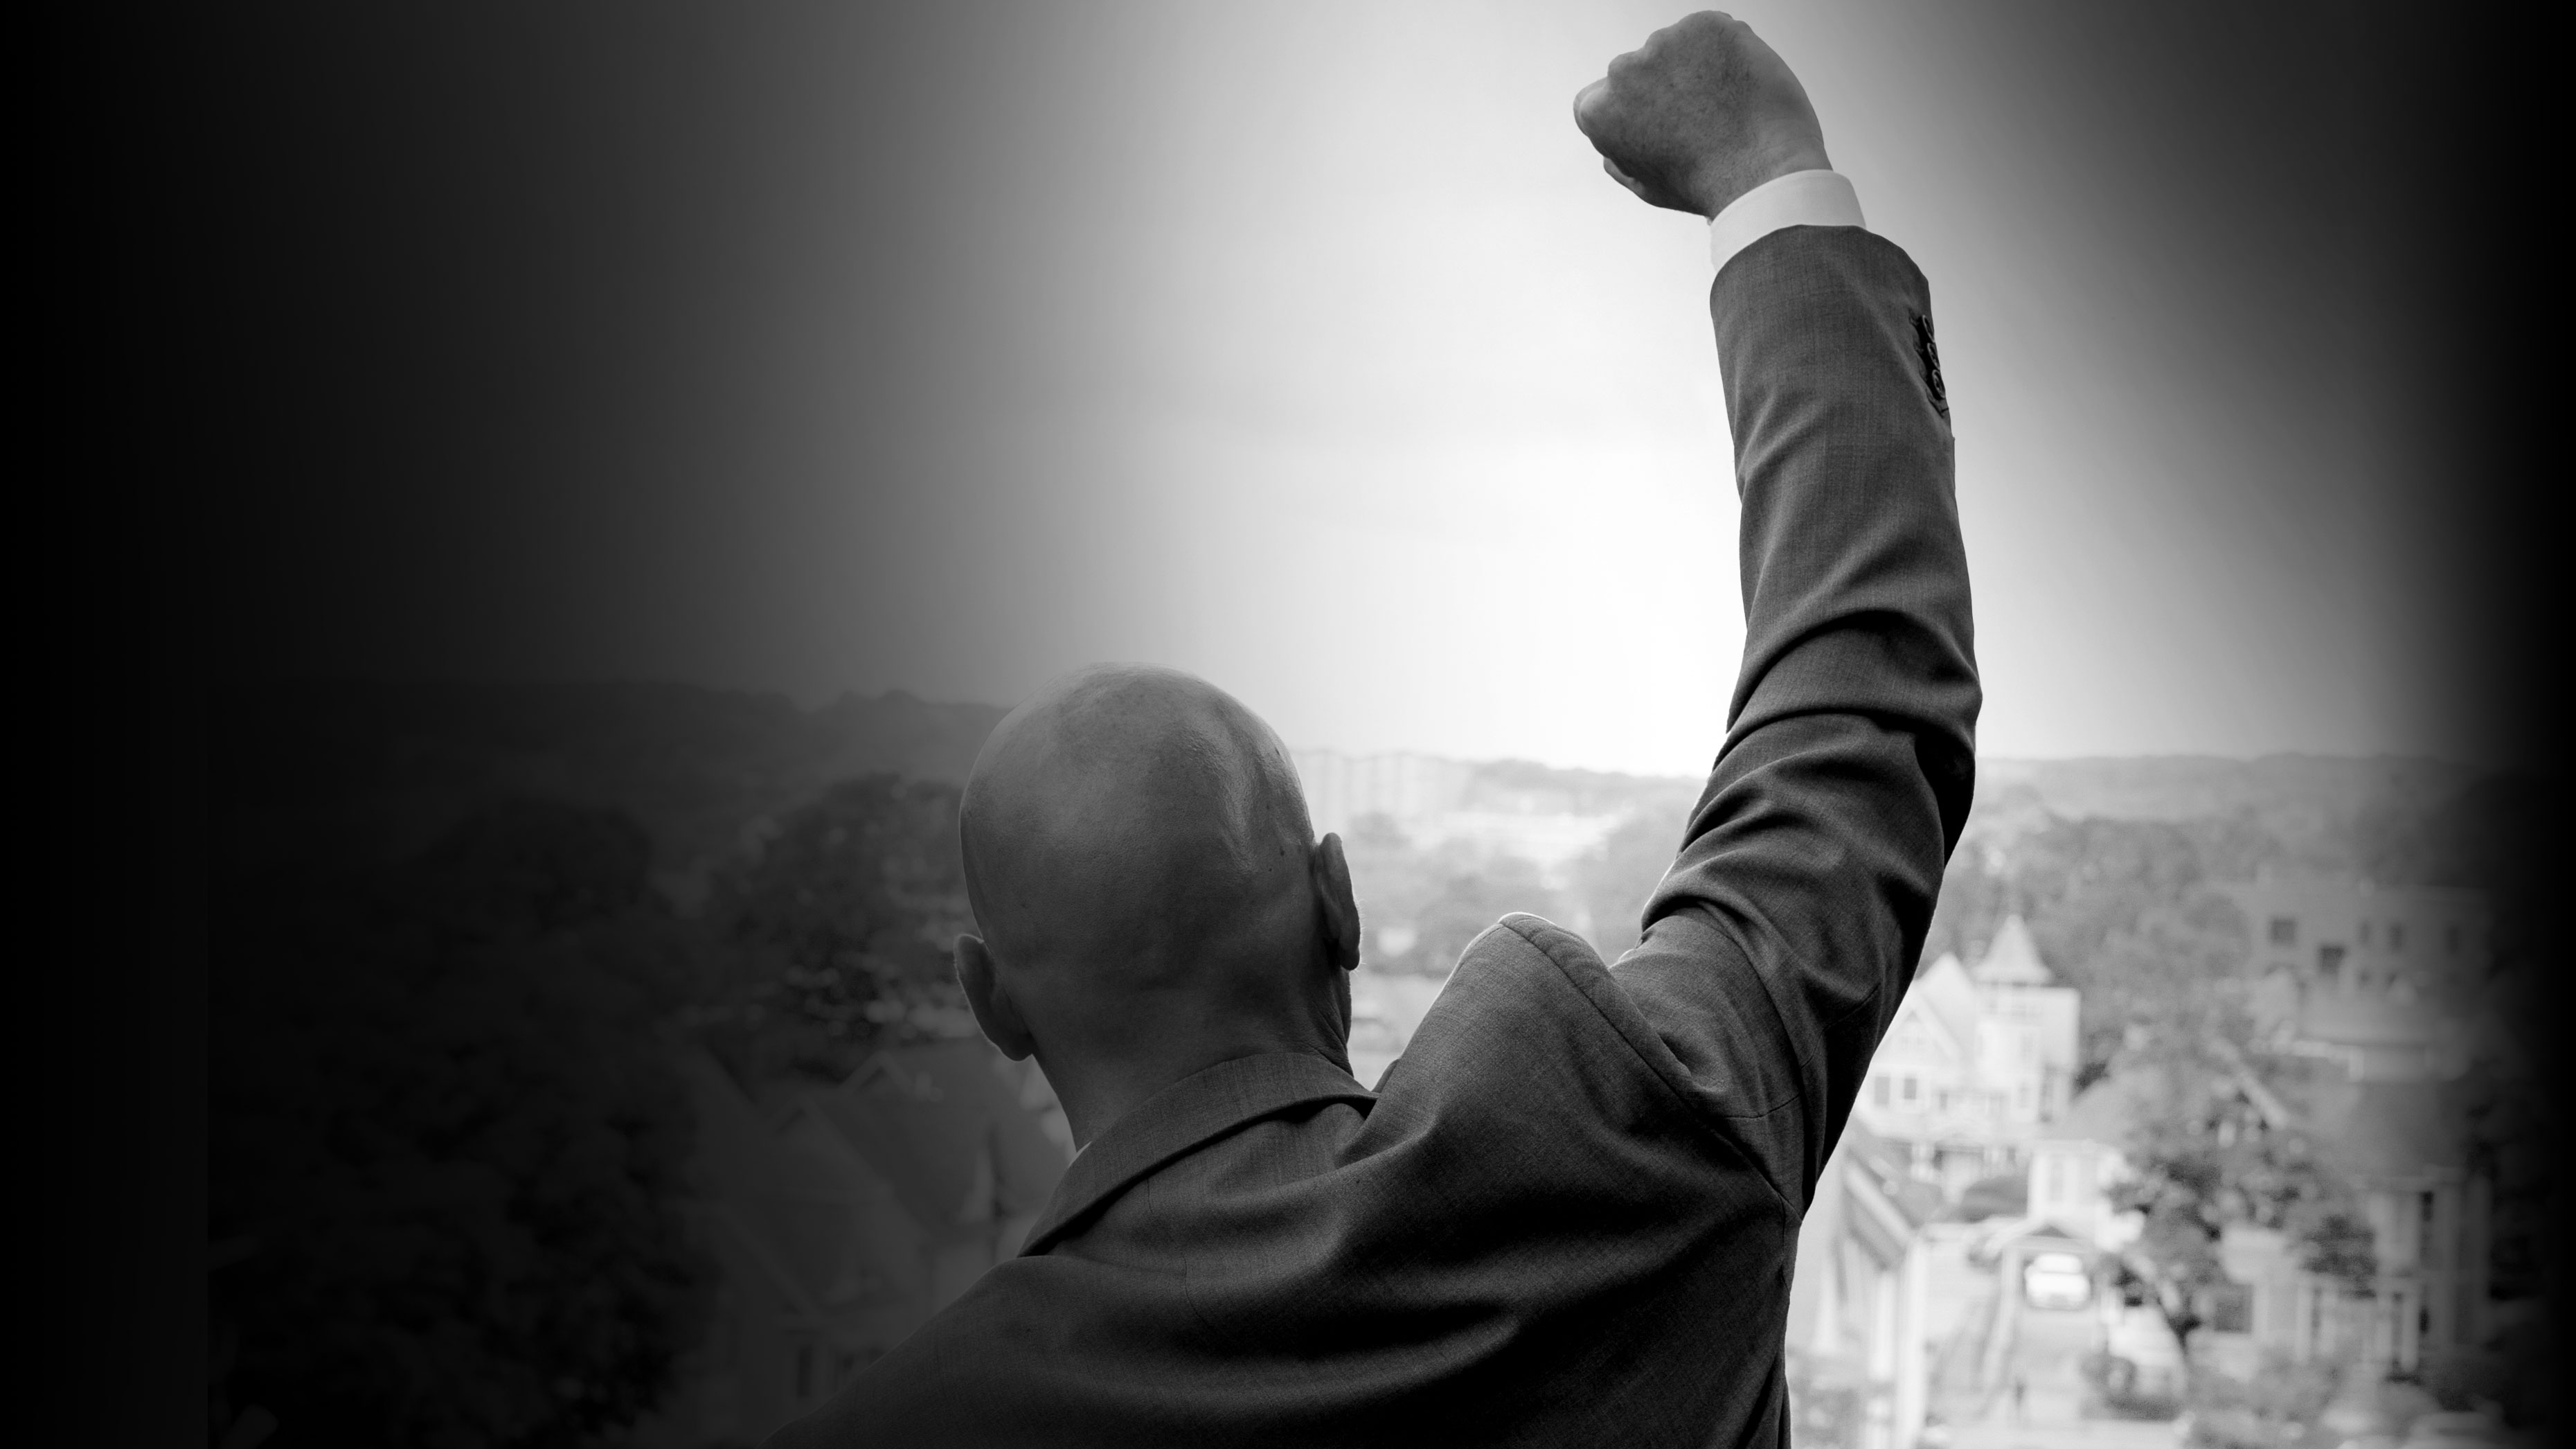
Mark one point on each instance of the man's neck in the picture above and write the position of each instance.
(1095, 1094)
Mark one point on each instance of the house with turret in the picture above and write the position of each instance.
(1977, 1062)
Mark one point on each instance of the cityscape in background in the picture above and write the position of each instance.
(2206, 1115)
(2297, 1055)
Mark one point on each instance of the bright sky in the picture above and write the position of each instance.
(1306, 347)
(1416, 422)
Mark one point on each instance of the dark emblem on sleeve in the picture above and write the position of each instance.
(1931, 358)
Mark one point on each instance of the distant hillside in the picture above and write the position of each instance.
(2385, 818)
(2322, 791)
(2178, 787)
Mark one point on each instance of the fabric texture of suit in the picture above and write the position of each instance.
(1567, 1215)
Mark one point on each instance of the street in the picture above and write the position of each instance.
(2047, 1357)
(1989, 1342)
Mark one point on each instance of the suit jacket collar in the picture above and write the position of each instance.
(1180, 1118)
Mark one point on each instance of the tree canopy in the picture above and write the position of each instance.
(2209, 1158)
(449, 1142)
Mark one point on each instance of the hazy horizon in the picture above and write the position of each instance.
(811, 704)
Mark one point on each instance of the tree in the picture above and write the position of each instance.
(2173, 973)
(447, 1138)
(1420, 906)
(840, 922)
(2209, 1154)
(1615, 879)
(2174, 1261)
(1473, 890)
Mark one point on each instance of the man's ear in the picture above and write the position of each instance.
(1337, 911)
(992, 1005)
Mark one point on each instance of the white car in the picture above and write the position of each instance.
(2056, 1280)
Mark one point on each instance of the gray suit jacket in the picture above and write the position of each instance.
(1567, 1215)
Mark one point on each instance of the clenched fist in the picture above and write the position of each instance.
(1700, 114)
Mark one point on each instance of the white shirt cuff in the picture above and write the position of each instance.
(1801, 198)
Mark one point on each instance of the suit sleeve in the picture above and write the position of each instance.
(1776, 949)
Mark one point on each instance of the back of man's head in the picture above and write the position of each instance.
(1139, 857)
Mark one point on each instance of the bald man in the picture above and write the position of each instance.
(1568, 1214)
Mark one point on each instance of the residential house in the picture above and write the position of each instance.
(2383, 992)
(2080, 1160)
(1859, 1315)
(2402, 1146)
(2383, 982)
(1976, 1063)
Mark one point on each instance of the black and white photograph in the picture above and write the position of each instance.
(1170, 722)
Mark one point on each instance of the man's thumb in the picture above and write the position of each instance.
(1591, 107)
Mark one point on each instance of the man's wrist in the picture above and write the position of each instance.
(1738, 172)
(1814, 197)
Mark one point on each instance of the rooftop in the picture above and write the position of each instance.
(2013, 959)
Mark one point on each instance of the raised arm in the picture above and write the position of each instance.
(1778, 946)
